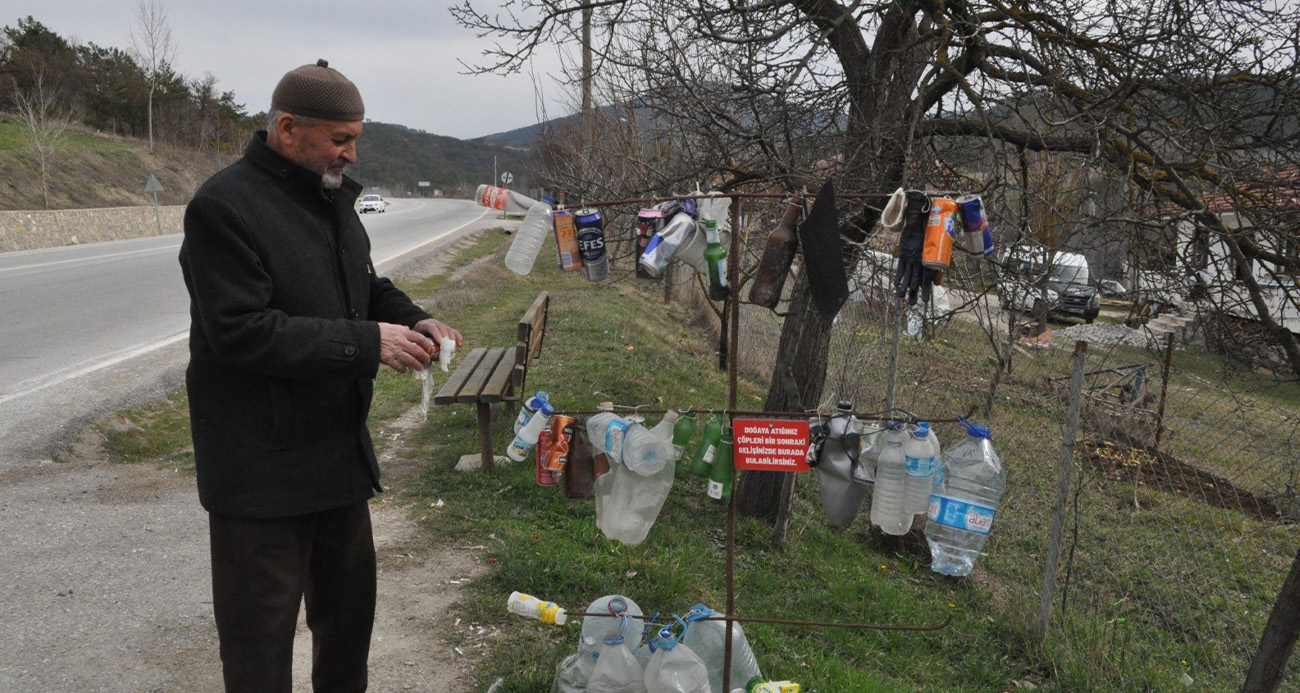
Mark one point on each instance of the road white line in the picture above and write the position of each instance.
(384, 264)
(87, 367)
(89, 260)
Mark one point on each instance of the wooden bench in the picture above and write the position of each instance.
(496, 375)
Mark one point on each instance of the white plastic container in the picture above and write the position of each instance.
(617, 670)
(708, 640)
(527, 436)
(841, 496)
(921, 453)
(529, 239)
(674, 668)
(530, 407)
(887, 511)
(597, 628)
(528, 606)
(629, 444)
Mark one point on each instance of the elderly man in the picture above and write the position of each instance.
(289, 324)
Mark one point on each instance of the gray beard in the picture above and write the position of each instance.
(331, 181)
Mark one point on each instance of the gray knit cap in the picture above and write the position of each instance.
(318, 91)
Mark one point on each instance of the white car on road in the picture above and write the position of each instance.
(371, 203)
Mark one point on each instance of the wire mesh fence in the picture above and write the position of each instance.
(1180, 508)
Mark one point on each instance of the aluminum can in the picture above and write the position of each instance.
(591, 244)
(557, 457)
(940, 230)
(566, 241)
(648, 223)
(978, 235)
(545, 477)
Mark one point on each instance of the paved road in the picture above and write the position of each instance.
(103, 568)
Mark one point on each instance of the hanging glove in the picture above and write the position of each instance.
(910, 274)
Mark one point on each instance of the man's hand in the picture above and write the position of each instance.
(401, 348)
(437, 330)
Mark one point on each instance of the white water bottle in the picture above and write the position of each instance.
(596, 628)
(530, 407)
(629, 444)
(674, 668)
(529, 238)
(921, 452)
(527, 436)
(617, 670)
(708, 640)
(887, 510)
(967, 491)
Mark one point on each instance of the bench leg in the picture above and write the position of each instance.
(485, 435)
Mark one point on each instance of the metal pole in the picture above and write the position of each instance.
(1062, 487)
(157, 216)
(1164, 387)
(893, 358)
(733, 270)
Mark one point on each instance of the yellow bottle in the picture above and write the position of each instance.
(532, 607)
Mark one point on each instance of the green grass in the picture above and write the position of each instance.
(158, 433)
(1147, 594)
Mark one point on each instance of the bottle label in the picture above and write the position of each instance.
(614, 440)
(678, 450)
(715, 490)
(709, 452)
(919, 466)
(961, 514)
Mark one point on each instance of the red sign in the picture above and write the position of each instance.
(771, 445)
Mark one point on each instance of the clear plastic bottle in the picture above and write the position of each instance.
(617, 670)
(597, 628)
(887, 510)
(527, 436)
(530, 407)
(529, 238)
(675, 668)
(503, 199)
(628, 503)
(965, 500)
(921, 452)
(841, 496)
(629, 444)
(573, 672)
(871, 444)
(708, 640)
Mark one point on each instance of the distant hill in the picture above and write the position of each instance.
(395, 158)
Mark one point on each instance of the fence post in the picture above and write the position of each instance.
(1164, 388)
(1062, 487)
(893, 359)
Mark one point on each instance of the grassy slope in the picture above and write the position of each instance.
(1148, 618)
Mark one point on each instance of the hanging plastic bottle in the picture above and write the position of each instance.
(663, 245)
(721, 473)
(628, 504)
(530, 407)
(715, 258)
(629, 444)
(674, 667)
(921, 452)
(503, 199)
(708, 640)
(778, 255)
(531, 607)
(887, 508)
(617, 670)
(965, 500)
(598, 628)
(872, 442)
(529, 238)
(527, 436)
(574, 671)
(682, 432)
(702, 462)
(841, 496)
(591, 244)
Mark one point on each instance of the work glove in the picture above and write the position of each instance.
(910, 275)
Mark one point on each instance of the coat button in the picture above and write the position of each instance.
(350, 350)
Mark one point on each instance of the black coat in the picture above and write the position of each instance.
(284, 343)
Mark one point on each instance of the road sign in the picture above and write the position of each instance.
(507, 178)
(423, 184)
(153, 186)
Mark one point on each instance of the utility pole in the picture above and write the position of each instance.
(494, 170)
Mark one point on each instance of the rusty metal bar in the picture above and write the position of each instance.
(1164, 387)
(792, 622)
(1062, 487)
(733, 271)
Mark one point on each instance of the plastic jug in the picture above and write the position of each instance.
(968, 489)
(921, 452)
(708, 640)
(629, 444)
(887, 509)
(841, 496)
(617, 670)
(674, 667)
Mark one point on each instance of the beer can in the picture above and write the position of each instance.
(939, 232)
(566, 241)
(648, 223)
(591, 244)
(557, 457)
(545, 477)
(978, 235)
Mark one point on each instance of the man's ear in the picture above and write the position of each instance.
(286, 129)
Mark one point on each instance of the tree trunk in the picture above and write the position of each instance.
(1279, 637)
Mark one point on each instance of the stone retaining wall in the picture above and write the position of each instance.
(49, 229)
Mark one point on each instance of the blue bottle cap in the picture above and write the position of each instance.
(546, 409)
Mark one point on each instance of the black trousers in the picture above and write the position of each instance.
(262, 569)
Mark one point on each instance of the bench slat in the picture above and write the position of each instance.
(470, 391)
(451, 388)
(527, 324)
(499, 384)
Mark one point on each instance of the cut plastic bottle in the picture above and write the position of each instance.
(529, 239)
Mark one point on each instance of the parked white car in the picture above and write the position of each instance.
(1069, 290)
(372, 203)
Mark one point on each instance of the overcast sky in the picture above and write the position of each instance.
(402, 54)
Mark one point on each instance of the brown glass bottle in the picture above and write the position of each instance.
(777, 258)
(579, 473)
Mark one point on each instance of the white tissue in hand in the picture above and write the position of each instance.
(446, 352)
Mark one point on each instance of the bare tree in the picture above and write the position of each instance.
(44, 124)
(151, 41)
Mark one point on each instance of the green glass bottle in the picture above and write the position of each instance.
(715, 258)
(682, 432)
(702, 462)
(721, 474)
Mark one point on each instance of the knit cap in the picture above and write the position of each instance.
(318, 91)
